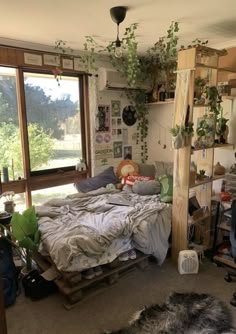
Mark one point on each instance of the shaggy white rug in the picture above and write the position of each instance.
(183, 313)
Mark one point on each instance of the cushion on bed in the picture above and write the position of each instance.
(151, 187)
(163, 168)
(146, 170)
(98, 181)
(166, 182)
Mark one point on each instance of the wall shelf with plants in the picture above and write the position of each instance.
(160, 103)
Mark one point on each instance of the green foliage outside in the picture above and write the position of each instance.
(46, 118)
(41, 146)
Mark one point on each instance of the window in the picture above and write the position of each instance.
(44, 128)
(10, 142)
(41, 196)
(53, 121)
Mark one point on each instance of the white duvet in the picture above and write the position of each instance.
(84, 231)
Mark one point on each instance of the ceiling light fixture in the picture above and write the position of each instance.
(118, 15)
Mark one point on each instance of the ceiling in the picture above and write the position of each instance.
(27, 22)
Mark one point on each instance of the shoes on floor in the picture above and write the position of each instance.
(88, 274)
(98, 270)
(123, 257)
(130, 255)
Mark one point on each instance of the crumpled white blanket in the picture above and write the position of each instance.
(84, 227)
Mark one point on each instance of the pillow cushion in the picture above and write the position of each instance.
(98, 181)
(163, 168)
(151, 187)
(166, 182)
(147, 170)
(129, 180)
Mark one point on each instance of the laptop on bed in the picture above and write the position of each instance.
(119, 201)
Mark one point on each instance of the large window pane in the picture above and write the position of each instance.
(41, 196)
(10, 144)
(53, 119)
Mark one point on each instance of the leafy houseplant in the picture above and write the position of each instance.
(25, 234)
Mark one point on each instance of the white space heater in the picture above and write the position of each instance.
(188, 262)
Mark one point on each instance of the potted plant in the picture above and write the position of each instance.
(178, 138)
(201, 175)
(222, 129)
(200, 86)
(205, 131)
(25, 235)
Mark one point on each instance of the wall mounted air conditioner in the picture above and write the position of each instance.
(112, 79)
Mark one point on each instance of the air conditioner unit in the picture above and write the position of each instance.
(188, 262)
(112, 79)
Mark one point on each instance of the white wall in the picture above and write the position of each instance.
(105, 97)
(160, 121)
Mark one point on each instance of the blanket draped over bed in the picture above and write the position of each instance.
(84, 231)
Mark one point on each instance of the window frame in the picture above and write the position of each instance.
(14, 57)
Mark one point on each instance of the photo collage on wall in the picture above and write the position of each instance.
(111, 136)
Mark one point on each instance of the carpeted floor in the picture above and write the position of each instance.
(112, 308)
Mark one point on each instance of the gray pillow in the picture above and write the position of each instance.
(146, 170)
(98, 181)
(151, 187)
(163, 168)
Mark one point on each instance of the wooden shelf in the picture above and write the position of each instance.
(207, 180)
(198, 220)
(224, 226)
(227, 261)
(215, 146)
(160, 102)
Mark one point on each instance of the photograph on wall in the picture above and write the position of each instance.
(33, 59)
(103, 118)
(125, 136)
(128, 152)
(118, 121)
(113, 132)
(113, 123)
(119, 132)
(117, 149)
(115, 109)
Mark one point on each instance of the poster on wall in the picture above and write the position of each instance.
(128, 152)
(103, 118)
(117, 149)
(115, 109)
(103, 151)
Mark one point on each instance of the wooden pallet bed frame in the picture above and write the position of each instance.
(74, 287)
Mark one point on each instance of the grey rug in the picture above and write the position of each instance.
(183, 313)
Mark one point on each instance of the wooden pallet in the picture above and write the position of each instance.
(74, 287)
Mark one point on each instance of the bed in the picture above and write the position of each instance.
(83, 230)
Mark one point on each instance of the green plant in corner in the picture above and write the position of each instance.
(26, 234)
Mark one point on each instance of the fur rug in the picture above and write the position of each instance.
(183, 313)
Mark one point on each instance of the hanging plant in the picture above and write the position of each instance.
(61, 49)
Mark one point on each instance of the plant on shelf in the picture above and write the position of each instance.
(222, 129)
(200, 86)
(205, 131)
(201, 174)
(160, 61)
(25, 235)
